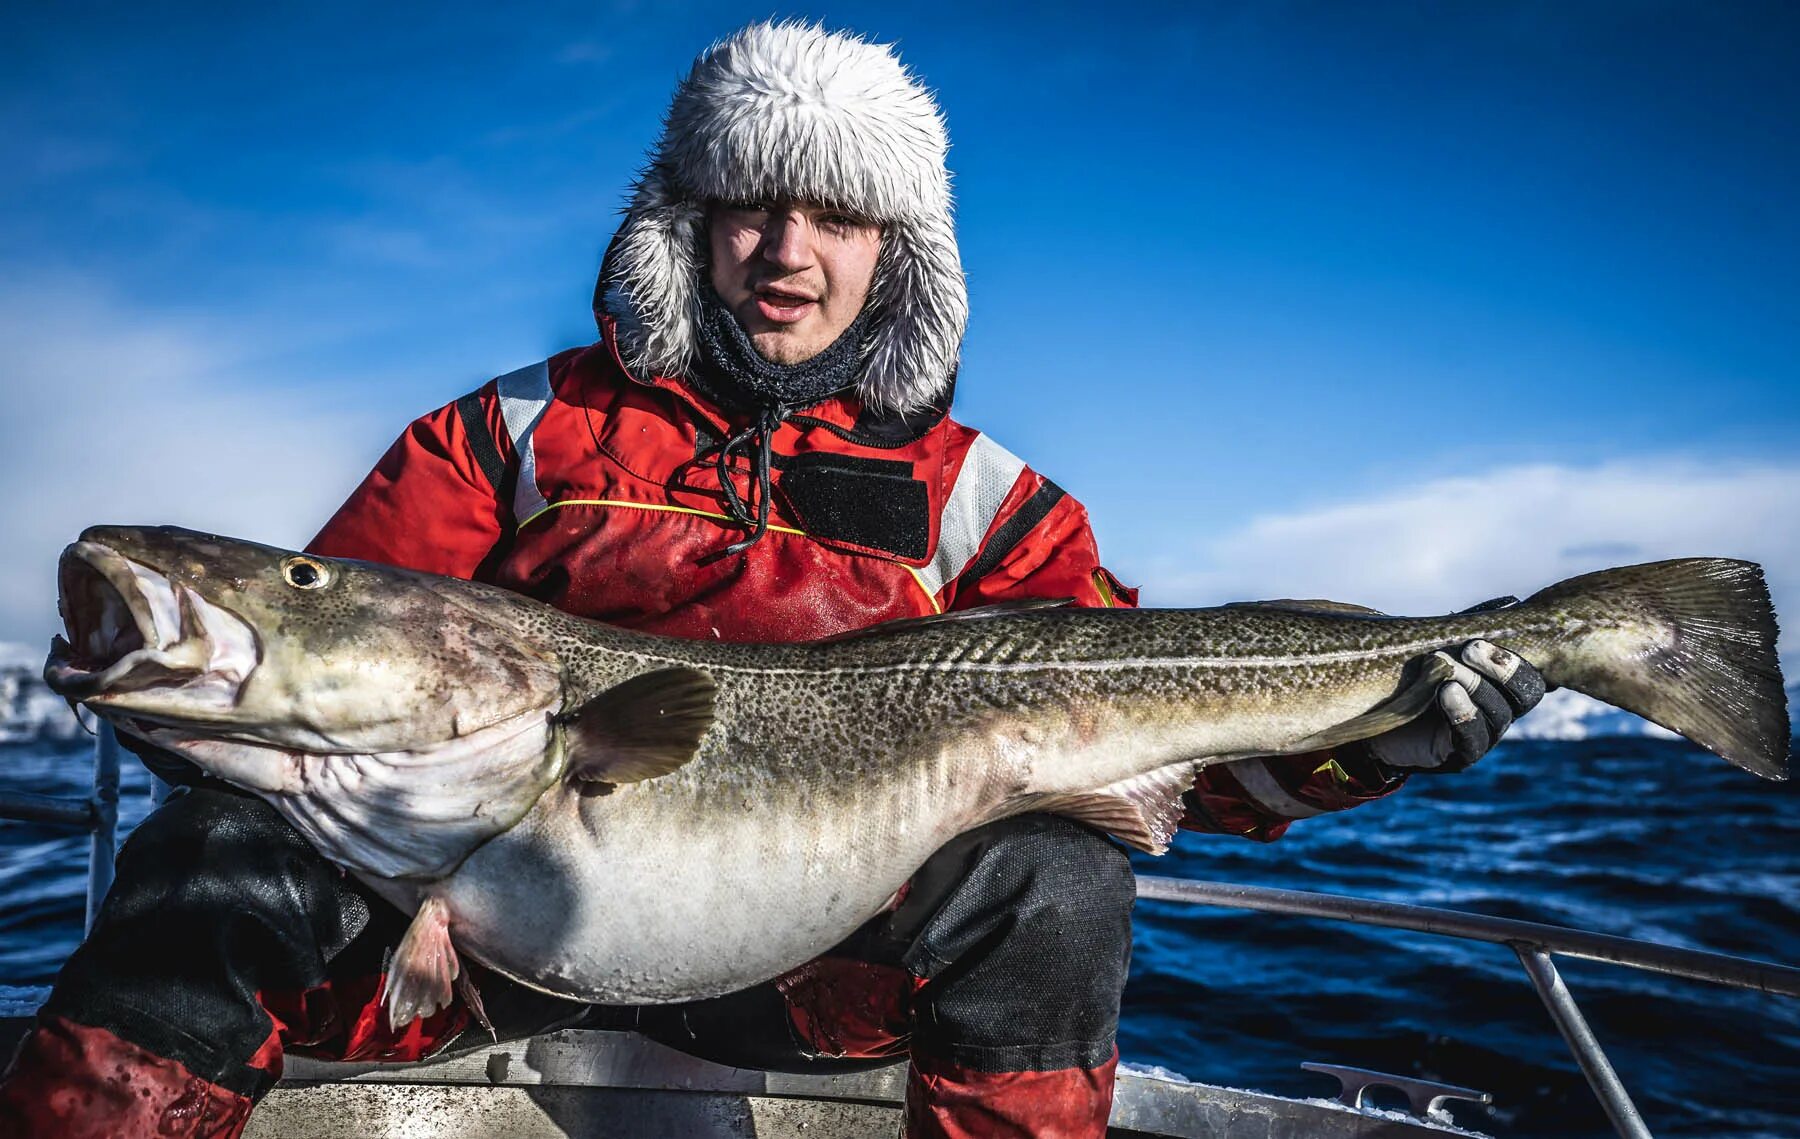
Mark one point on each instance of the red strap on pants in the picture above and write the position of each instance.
(944, 1101)
(844, 1007)
(344, 1019)
(840, 1006)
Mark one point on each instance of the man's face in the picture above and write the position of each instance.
(794, 275)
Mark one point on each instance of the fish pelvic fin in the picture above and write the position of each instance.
(1141, 811)
(648, 726)
(1418, 689)
(421, 976)
(1688, 644)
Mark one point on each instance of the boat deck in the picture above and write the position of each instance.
(582, 1084)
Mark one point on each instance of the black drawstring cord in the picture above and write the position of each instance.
(762, 432)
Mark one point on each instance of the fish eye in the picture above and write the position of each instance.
(303, 572)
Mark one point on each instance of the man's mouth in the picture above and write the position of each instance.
(130, 628)
(783, 306)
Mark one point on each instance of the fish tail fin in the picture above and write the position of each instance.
(1688, 644)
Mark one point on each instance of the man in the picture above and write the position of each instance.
(757, 448)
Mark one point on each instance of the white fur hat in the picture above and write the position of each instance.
(789, 111)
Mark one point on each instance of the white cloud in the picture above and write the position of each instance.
(1444, 544)
(1447, 543)
(116, 414)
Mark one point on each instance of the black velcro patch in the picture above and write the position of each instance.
(872, 503)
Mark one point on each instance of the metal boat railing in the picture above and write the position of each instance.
(98, 814)
(1533, 942)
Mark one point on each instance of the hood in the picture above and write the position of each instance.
(788, 111)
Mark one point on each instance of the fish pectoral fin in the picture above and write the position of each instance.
(645, 727)
(1403, 707)
(421, 976)
(1141, 811)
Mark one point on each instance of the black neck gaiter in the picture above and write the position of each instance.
(737, 377)
(734, 374)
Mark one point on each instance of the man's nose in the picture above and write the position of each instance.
(788, 240)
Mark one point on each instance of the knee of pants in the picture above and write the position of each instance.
(216, 902)
(1067, 867)
(1027, 956)
(1037, 881)
(209, 859)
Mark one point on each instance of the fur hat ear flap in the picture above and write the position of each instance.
(791, 112)
(918, 309)
(651, 277)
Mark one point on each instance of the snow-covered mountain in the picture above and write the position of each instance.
(16, 656)
(28, 709)
(1568, 715)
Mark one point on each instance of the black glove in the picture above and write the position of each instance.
(165, 764)
(1489, 689)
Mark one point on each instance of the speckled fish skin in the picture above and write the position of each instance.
(831, 769)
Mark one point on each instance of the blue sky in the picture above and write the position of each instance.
(1406, 304)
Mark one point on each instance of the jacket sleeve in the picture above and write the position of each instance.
(1040, 545)
(1260, 798)
(426, 506)
(1055, 555)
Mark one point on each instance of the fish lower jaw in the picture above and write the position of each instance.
(179, 668)
(138, 640)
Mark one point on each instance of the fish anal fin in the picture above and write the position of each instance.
(1141, 811)
(421, 976)
(1415, 695)
(648, 726)
(955, 616)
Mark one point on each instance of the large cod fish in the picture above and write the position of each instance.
(617, 817)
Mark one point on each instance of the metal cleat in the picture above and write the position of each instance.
(1424, 1096)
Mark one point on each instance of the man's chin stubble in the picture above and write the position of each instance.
(778, 349)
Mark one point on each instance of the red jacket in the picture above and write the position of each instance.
(578, 484)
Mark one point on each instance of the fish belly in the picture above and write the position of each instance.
(664, 901)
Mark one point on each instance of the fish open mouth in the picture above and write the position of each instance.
(131, 629)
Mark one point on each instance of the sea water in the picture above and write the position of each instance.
(1646, 838)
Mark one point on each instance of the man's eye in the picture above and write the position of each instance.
(841, 222)
(748, 207)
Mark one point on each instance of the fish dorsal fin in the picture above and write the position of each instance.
(979, 613)
(1310, 605)
(645, 727)
(1141, 811)
(1415, 695)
